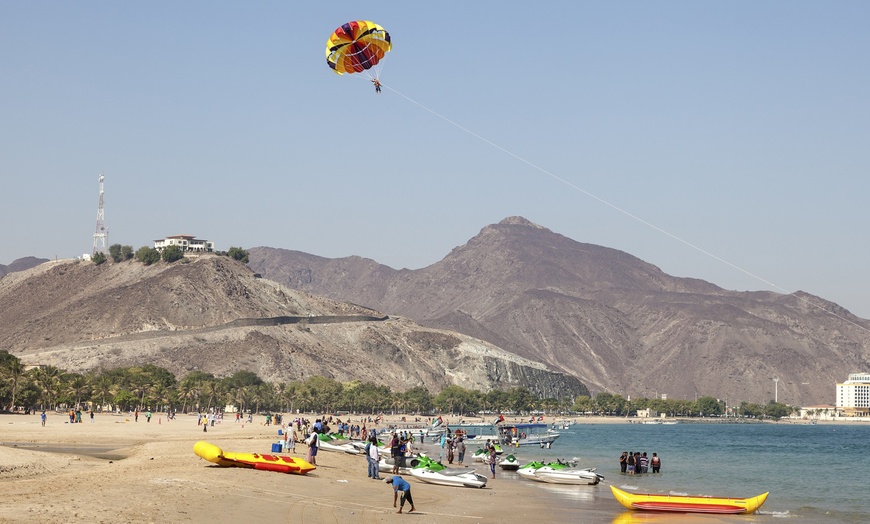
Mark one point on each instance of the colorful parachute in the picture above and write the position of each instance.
(357, 46)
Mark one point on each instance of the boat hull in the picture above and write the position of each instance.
(688, 504)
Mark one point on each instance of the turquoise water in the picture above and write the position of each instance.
(814, 473)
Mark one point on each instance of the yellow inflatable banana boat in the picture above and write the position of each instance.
(279, 463)
(688, 504)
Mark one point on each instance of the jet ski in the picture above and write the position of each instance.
(427, 470)
(568, 475)
(509, 463)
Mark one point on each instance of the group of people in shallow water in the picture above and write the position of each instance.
(634, 462)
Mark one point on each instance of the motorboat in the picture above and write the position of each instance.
(531, 434)
(687, 503)
(566, 475)
(509, 463)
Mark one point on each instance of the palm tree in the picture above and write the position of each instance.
(77, 387)
(188, 391)
(14, 373)
(48, 380)
(102, 388)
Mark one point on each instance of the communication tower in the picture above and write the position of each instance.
(101, 235)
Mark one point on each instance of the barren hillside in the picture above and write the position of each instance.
(612, 320)
(214, 314)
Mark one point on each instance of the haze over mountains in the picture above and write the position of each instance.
(612, 320)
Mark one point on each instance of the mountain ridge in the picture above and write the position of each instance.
(612, 320)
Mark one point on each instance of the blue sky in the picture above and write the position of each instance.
(742, 128)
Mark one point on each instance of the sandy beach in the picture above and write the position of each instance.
(117, 470)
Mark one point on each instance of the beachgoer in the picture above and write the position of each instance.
(313, 442)
(373, 458)
(400, 484)
(377, 84)
(630, 461)
(148, 416)
(623, 461)
(450, 450)
(493, 459)
(460, 450)
(42, 417)
(395, 452)
(92, 416)
(656, 463)
(644, 463)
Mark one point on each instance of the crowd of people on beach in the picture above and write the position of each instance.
(635, 462)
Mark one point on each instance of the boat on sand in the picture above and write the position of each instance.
(433, 472)
(268, 462)
(688, 504)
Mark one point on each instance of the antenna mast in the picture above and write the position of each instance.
(101, 235)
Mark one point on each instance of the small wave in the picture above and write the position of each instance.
(628, 487)
(680, 494)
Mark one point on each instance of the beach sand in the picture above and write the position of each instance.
(117, 470)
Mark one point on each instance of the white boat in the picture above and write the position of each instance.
(450, 477)
(568, 476)
(531, 434)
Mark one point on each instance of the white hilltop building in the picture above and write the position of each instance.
(187, 243)
(853, 396)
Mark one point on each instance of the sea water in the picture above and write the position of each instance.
(814, 473)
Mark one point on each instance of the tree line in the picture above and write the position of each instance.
(150, 255)
(155, 388)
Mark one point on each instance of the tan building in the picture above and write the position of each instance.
(187, 243)
(853, 396)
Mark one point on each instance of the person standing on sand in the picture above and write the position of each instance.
(400, 484)
(313, 442)
(493, 459)
(460, 450)
(42, 417)
(373, 458)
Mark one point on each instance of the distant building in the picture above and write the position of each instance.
(818, 412)
(853, 396)
(187, 243)
(647, 413)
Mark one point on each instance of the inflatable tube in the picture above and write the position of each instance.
(279, 463)
(688, 504)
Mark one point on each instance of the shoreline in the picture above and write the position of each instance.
(50, 477)
(147, 472)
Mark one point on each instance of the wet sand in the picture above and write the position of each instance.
(117, 470)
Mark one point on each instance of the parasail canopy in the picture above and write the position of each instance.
(357, 46)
